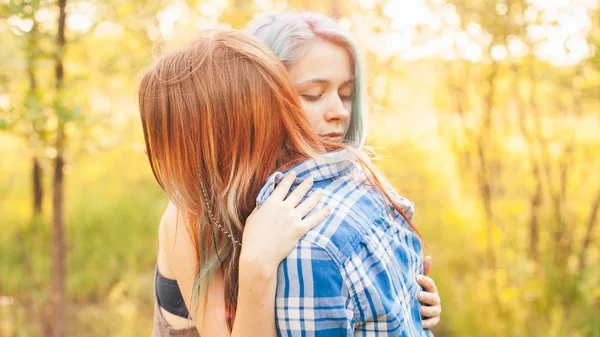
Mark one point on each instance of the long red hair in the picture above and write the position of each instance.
(220, 116)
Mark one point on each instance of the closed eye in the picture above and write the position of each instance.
(311, 98)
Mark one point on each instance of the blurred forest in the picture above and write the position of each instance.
(484, 113)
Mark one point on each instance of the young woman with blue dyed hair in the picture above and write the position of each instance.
(315, 50)
(325, 68)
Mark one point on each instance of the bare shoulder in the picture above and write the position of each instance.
(175, 240)
(175, 245)
(169, 221)
(173, 228)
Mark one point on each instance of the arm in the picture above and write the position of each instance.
(313, 298)
(256, 295)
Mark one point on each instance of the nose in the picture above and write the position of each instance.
(336, 112)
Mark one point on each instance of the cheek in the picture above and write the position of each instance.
(314, 113)
(348, 106)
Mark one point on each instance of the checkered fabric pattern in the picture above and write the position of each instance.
(355, 274)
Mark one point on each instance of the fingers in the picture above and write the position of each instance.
(429, 298)
(427, 283)
(430, 311)
(431, 322)
(307, 205)
(314, 219)
(296, 196)
(427, 264)
(283, 187)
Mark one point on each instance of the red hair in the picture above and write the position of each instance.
(221, 115)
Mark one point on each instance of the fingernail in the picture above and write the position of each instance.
(420, 296)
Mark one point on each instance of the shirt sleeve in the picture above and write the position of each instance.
(312, 299)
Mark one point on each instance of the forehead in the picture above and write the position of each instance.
(323, 59)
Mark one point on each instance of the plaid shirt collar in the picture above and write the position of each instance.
(327, 166)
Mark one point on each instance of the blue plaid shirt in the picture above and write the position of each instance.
(355, 274)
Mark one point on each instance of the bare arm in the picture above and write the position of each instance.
(256, 296)
(256, 302)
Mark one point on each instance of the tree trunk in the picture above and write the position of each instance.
(588, 234)
(536, 197)
(38, 191)
(566, 163)
(58, 299)
(484, 148)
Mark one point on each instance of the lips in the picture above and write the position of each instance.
(333, 136)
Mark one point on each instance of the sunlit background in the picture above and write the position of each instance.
(484, 113)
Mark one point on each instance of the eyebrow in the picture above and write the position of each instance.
(323, 81)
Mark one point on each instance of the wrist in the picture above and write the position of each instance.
(255, 281)
(256, 268)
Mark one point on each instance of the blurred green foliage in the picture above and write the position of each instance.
(501, 156)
